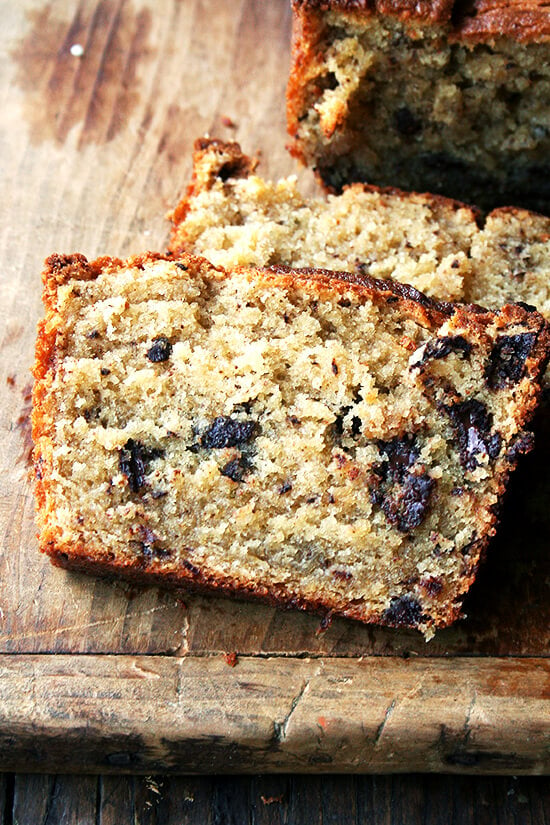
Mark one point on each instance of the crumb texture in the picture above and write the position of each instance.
(452, 106)
(435, 244)
(322, 442)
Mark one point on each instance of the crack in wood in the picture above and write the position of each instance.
(183, 648)
(280, 728)
(467, 731)
(380, 729)
(88, 625)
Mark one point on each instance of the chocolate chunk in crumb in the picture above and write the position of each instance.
(472, 424)
(342, 575)
(404, 611)
(441, 347)
(161, 350)
(507, 359)
(433, 585)
(227, 432)
(236, 469)
(407, 505)
(401, 491)
(406, 122)
(401, 453)
(133, 461)
(412, 501)
(522, 445)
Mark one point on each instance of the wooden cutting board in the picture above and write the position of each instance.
(101, 103)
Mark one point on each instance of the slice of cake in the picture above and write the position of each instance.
(321, 441)
(437, 245)
(441, 96)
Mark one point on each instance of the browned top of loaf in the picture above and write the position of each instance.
(472, 20)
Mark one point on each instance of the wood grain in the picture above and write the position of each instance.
(279, 800)
(198, 715)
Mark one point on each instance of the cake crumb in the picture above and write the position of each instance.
(231, 659)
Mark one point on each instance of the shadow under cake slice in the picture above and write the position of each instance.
(318, 440)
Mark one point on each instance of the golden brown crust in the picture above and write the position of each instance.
(479, 20)
(86, 560)
(424, 310)
(527, 21)
(212, 158)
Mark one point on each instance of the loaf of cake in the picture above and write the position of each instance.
(321, 441)
(434, 95)
(439, 246)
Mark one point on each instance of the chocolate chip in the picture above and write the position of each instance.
(150, 552)
(105, 371)
(406, 122)
(494, 443)
(133, 461)
(161, 350)
(407, 506)
(441, 347)
(181, 266)
(191, 567)
(343, 575)
(528, 307)
(402, 495)
(338, 425)
(472, 424)
(334, 367)
(401, 453)
(521, 446)
(403, 611)
(507, 359)
(285, 487)
(244, 406)
(227, 432)
(236, 469)
(433, 585)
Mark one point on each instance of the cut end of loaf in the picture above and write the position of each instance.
(322, 442)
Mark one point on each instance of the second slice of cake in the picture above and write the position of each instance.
(439, 246)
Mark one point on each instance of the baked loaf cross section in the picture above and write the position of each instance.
(435, 96)
(322, 441)
(439, 246)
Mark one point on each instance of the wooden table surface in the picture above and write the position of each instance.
(95, 149)
(274, 800)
